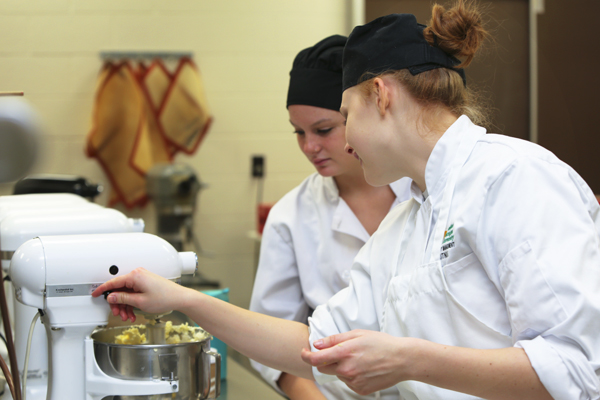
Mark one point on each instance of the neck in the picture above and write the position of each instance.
(430, 135)
(352, 182)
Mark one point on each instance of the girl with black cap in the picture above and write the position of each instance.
(485, 284)
(314, 232)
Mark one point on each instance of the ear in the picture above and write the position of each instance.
(382, 95)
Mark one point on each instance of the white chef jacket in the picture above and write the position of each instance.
(517, 264)
(310, 239)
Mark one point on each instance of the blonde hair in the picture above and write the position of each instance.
(459, 32)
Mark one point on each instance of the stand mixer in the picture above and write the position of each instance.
(34, 206)
(57, 275)
(43, 199)
(18, 227)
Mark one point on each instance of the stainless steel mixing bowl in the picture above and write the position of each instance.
(190, 363)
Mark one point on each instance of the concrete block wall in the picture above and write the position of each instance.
(244, 49)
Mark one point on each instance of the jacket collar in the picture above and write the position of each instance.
(344, 219)
(442, 157)
(332, 194)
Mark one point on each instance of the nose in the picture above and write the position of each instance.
(348, 149)
(312, 143)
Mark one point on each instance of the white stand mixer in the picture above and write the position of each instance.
(34, 205)
(57, 275)
(15, 229)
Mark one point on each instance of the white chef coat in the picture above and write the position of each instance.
(515, 263)
(310, 239)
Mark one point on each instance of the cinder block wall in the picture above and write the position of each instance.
(50, 50)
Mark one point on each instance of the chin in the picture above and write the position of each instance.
(327, 172)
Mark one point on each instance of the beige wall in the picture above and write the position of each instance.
(244, 48)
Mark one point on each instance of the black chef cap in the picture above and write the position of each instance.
(316, 75)
(390, 43)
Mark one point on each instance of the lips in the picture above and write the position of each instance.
(320, 161)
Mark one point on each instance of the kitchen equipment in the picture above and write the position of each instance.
(30, 204)
(36, 205)
(48, 183)
(19, 135)
(189, 362)
(174, 188)
(45, 198)
(57, 274)
(16, 229)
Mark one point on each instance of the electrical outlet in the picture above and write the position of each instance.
(258, 166)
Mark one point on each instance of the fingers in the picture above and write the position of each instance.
(123, 311)
(325, 367)
(124, 298)
(120, 282)
(332, 349)
(334, 340)
(130, 313)
(116, 283)
(324, 357)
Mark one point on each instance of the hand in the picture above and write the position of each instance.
(142, 289)
(367, 361)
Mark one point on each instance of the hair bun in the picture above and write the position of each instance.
(458, 31)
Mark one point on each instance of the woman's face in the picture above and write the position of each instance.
(377, 140)
(321, 137)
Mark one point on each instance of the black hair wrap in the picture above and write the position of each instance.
(316, 75)
(391, 43)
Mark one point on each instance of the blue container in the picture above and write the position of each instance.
(222, 294)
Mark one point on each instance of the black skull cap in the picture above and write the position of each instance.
(316, 75)
(389, 43)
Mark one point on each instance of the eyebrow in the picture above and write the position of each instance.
(316, 123)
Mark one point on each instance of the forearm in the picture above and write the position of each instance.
(297, 388)
(271, 341)
(495, 374)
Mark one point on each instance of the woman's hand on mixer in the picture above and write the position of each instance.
(142, 289)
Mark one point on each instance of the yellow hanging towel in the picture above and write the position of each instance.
(151, 146)
(184, 115)
(142, 117)
(118, 119)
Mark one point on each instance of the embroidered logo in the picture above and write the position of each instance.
(448, 242)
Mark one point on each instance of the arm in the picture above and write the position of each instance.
(548, 272)
(369, 361)
(271, 341)
(297, 388)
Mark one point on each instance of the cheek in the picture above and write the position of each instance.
(300, 140)
(354, 137)
(349, 133)
(339, 142)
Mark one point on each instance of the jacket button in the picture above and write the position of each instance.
(346, 275)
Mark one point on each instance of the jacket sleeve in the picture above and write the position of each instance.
(547, 256)
(277, 290)
(351, 308)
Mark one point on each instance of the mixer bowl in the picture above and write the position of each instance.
(190, 363)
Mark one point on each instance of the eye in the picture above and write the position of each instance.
(324, 131)
(298, 132)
